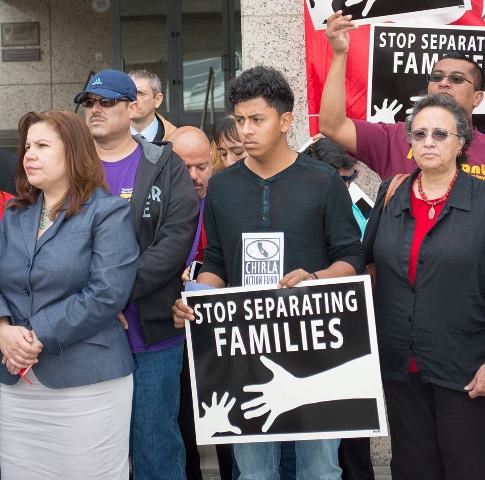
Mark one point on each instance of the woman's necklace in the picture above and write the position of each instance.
(45, 219)
(436, 201)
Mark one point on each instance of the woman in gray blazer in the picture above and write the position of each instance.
(68, 259)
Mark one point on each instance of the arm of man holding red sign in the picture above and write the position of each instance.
(381, 146)
(334, 122)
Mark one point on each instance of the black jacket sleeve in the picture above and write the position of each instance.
(163, 261)
(341, 229)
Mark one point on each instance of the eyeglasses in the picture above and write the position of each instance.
(455, 78)
(103, 102)
(437, 134)
(348, 179)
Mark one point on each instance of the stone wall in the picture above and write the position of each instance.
(73, 40)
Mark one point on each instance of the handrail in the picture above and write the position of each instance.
(208, 91)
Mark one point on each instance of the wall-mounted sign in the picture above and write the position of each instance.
(20, 54)
(20, 34)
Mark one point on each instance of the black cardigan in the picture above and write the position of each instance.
(441, 318)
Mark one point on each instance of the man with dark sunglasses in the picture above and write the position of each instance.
(165, 211)
(383, 147)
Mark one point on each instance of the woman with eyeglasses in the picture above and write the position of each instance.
(68, 260)
(428, 245)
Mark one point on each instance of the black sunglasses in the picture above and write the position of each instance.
(455, 78)
(437, 134)
(348, 179)
(103, 102)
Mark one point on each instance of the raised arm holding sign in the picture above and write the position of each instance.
(448, 55)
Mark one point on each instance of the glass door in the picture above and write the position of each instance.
(182, 41)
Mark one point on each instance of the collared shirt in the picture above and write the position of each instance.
(307, 201)
(149, 131)
(440, 318)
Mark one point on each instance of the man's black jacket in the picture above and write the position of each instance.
(165, 209)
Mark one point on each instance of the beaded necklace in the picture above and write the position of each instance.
(45, 220)
(436, 201)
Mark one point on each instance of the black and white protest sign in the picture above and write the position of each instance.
(285, 364)
(401, 58)
(372, 11)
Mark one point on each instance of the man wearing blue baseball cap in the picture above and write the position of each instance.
(165, 211)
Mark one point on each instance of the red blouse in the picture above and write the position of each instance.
(420, 211)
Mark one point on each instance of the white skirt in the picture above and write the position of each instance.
(78, 433)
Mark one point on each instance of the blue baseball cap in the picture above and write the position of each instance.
(109, 84)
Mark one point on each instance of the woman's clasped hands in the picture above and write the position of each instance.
(20, 346)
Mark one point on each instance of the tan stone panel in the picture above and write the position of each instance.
(16, 100)
(368, 180)
(278, 41)
(79, 35)
(13, 73)
(380, 451)
(272, 7)
(63, 95)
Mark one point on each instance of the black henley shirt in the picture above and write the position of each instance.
(307, 201)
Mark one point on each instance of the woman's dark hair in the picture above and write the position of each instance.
(84, 169)
(265, 82)
(326, 151)
(225, 127)
(438, 100)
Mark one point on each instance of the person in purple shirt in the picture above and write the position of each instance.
(384, 147)
(164, 212)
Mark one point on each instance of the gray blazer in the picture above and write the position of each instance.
(68, 286)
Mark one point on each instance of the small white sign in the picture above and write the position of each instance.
(262, 258)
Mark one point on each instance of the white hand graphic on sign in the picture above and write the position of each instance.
(278, 395)
(386, 113)
(355, 379)
(367, 7)
(413, 101)
(216, 418)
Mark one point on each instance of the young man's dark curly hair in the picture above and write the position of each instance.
(265, 82)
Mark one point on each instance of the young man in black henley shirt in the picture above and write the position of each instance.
(277, 190)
